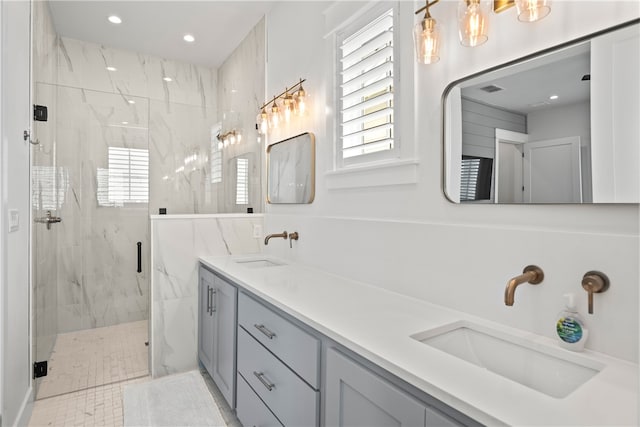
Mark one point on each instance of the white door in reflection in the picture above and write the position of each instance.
(545, 171)
(552, 171)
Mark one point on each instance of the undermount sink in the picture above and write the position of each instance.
(258, 262)
(549, 370)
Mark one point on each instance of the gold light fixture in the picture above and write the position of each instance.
(272, 115)
(229, 138)
(288, 105)
(532, 10)
(528, 10)
(472, 23)
(426, 36)
(301, 100)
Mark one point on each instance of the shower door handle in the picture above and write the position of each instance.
(139, 257)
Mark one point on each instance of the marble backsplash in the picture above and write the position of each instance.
(177, 243)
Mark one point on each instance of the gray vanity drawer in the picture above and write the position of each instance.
(289, 398)
(295, 347)
(251, 411)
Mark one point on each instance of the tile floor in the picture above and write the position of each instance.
(97, 406)
(88, 371)
(96, 357)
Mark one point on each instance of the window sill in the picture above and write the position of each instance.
(397, 172)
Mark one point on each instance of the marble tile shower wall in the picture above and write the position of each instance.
(132, 108)
(182, 113)
(98, 284)
(241, 91)
(44, 263)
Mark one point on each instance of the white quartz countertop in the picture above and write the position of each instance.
(378, 325)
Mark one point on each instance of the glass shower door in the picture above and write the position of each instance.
(102, 244)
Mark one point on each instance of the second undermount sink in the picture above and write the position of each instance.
(258, 262)
(550, 370)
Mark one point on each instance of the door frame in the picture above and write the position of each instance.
(503, 136)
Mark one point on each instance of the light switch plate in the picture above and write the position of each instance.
(14, 220)
(257, 230)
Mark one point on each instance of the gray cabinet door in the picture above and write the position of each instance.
(356, 396)
(223, 307)
(205, 319)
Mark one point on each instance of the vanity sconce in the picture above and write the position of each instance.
(229, 138)
(472, 23)
(594, 282)
(293, 102)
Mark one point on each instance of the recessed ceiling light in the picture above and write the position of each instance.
(167, 79)
(112, 69)
(131, 101)
(554, 97)
(125, 123)
(189, 38)
(115, 19)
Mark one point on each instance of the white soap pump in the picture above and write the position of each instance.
(570, 327)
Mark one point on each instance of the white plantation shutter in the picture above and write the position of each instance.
(469, 178)
(127, 178)
(367, 86)
(242, 181)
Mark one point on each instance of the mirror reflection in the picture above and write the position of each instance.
(559, 127)
(291, 170)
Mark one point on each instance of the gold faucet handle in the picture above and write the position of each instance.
(594, 282)
(293, 236)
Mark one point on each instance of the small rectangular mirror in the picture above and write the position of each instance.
(291, 170)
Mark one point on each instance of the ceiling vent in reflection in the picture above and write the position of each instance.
(492, 88)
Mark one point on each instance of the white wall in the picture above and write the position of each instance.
(15, 195)
(409, 238)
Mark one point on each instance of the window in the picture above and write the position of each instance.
(367, 84)
(127, 178)
(475, 181)
(49, 187)
(242, 181)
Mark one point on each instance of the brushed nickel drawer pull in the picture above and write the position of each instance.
(265, 331)
(260, 376)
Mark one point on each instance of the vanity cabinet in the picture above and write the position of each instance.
(280, 364)
(282, 372)
(356, 396)
(217, 331)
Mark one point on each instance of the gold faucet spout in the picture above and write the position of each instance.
(531, 274)
(284, 235)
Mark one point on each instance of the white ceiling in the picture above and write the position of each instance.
(528, 86)
(157, 27)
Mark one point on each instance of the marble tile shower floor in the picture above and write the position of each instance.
(96, 357)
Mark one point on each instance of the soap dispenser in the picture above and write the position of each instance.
(570, 327)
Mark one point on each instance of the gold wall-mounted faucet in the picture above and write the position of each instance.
(284, 235)
(531, 273)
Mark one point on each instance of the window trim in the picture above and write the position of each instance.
(375, 172)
